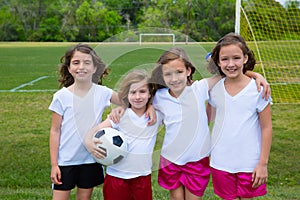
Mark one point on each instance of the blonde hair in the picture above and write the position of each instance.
(134, 76)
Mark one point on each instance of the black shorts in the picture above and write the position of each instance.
(82, 176)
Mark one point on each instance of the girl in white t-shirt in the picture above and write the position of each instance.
(184, 164)
(242, 132)
(130, 178)
(76, 108)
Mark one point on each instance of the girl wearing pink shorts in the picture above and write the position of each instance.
(184, 164)
(242, 133)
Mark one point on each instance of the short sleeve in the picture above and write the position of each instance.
(56, 106)
(262, 102)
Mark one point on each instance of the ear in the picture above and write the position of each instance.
(189, 71)
(69, 69)
(245, 58)
(95, 69)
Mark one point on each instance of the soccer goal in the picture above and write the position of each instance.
(272, 30)
(157, 37)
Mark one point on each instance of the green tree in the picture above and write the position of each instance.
(96, 23)
(85, 21)
(49, 30)
(107, 22)
(10, 26)
(66, 13)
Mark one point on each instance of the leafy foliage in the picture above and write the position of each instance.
(89, 20)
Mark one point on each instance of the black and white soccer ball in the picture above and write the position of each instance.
(113, 143)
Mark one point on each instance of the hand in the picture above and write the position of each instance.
(259, 175)
(56, 175)
(261, 81)
(150, 112)
(116, 114)
(96, 151)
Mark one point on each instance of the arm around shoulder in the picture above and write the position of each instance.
(211, 81)
(260, 81)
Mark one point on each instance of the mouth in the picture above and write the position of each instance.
(81, 72)
(175, 84)
(231, 70)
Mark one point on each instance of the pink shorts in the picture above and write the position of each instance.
(235, 185)
(193, 175)
(127, 189)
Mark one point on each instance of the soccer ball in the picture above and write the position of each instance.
(113, 144)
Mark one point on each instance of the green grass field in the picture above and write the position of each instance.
(28, 81)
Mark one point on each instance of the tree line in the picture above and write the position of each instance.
(97, 20)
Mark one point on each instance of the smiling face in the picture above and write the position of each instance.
(232, 60)
(82, 67)
(175, 76)
(138, 96)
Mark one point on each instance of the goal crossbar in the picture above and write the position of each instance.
(157, 34)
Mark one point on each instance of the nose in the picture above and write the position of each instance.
(137, 95)
(174, 76)
(81, 65)
(231, 62)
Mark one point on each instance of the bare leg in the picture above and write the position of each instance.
(61, 194)
(84, 194)
(177, 194)
(191, 196)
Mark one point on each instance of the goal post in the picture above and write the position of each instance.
(172, 35)
(272, 30)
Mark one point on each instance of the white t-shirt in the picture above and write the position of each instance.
(187, 137)
(236, 135)
(79, 114)
(141, 140)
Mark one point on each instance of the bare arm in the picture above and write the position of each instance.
(212, 81)
(150, 112)
(260, 173)
(115, 99)
(210, 112)
(54, 145)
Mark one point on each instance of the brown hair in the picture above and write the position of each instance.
(66, 79)
(170, 55)
(229, 39)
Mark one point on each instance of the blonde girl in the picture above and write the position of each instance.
(130, 178)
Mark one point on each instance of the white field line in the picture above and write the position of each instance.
(21, 91)
(16, 89)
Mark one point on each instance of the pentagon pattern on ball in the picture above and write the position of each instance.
(117, 140)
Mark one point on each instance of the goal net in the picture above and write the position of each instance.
(157, 38)
(272, 30)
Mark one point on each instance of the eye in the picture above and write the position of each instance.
(167, 74)
(132, 92)
(143, 91)
(75, 62)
